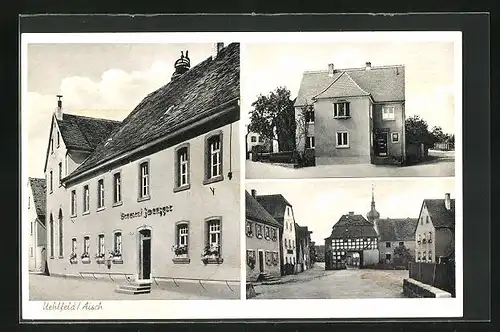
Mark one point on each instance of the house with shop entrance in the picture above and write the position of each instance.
(262, 241)
(303, 241)
(353, 116)
(37, 240)
(281, 210)
(353, 243)
(392, 233)
(435, 232)
(156, 196)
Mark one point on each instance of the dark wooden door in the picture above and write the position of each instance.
(261, 261)
(146, 258)
(380, 144)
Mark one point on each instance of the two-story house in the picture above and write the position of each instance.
(37, 239)
(155, 196)
(353, 243)
(394, 233)
(255, 139)
(435, 232)
(262, 243)
(353, 116)
(281, 210)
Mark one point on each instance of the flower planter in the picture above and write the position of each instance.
(181, 259)
(85, 260)
(117, 260)
(73, 261)
(99, 260)
(212, 260)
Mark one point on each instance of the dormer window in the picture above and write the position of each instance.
(341, 110)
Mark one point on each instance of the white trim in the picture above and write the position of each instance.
(337, 141)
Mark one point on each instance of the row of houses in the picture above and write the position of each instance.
(356, 241)
(275, 244)
(153, 196)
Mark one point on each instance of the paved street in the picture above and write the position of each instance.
(441, 164)
(337, 284)
(46, 288)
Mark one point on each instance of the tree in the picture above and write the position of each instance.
(402, 255)
(438, 135)
(273, 118)
(417, 131)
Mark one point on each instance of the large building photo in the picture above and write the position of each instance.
(151, 203)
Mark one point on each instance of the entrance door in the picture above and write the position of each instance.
(145, 255)
(261, 261)
(381, 144)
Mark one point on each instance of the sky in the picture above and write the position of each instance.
(96, 80)
(429, 71)
(319, 204)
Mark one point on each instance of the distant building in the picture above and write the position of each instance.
(353, 116)
(320, 252)
(391, 233)
(435, 233)
(281, 210)
(352, 243)
(38, 232)
(303, 240)
(256, 140)
(262, 242)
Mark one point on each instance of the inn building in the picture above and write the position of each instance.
(155, 196)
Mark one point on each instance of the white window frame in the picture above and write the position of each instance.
(214, 233)
(101, 244)
(388, 113)
(86, 198)
(117, 242)
(345, 142)
(345, 114)
(60, 173)
(73, 203)
(310, 144)
(144, 173)
(86, 245)
(183, 234)
(183, 167)
(253, 139)
(214, 153)
(100, 194)
(117, 188)
(73, 245)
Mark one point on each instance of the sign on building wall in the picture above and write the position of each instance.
(146, 212)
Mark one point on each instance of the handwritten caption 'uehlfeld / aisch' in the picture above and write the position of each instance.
(146, 212)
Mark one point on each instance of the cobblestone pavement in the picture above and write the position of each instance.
(338, 284)
(47, 288)
(442, 165)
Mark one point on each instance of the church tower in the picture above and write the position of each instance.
(373, 214)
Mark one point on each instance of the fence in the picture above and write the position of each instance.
(444, 146)
(276, 157)
(441, 276)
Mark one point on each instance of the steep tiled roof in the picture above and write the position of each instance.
(385, 83)
(440, 216)
(38, 188)
(255, 211)
(85, 133)
(274, 204)
(353, 226)
(397, 229)
(194, 95)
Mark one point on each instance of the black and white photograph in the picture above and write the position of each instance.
(132, 185)
(350, 239)
(352, 108)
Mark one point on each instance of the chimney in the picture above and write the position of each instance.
(217, 48)
(331, 69)
(254, 193)
(368, 66)
(447, 201)
(59, 112)
(351, 213)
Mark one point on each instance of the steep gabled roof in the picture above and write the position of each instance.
(274, 204)
(39, 188)
(254, 211)
(196, 94)
(353, 226)
(440, 216)
(384, 83)
(397, 229)
(85, 133)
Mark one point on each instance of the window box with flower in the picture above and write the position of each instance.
(100, 257)
(116, 257)
(211, 255)
(85, 258)
(181, 254)
(72, 258)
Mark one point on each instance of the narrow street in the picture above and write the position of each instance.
(441, 164)
(336, 284)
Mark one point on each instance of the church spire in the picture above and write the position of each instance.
(373, 214)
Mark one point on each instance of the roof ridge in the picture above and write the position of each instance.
(90, 118)
(353, 68)
(354, 81)
(329, 85)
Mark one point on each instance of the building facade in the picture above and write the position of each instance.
(353, 116)
(37, 239)
(255, 139)
(281, 210)
(435, 232)
(395, 233)
(353, 243)
(303, 241)
(262, 241)
(147, 198)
